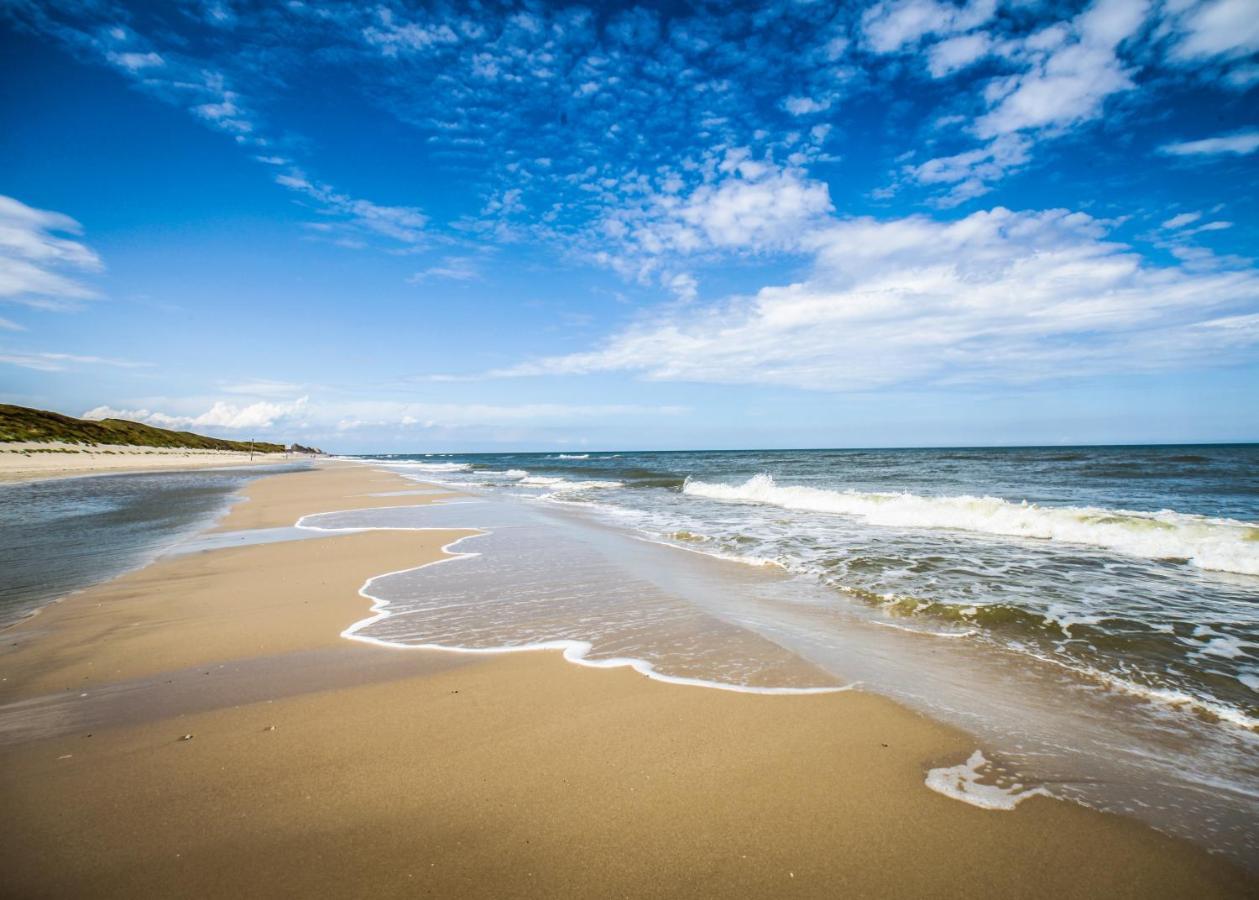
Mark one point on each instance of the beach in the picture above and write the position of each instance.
(199, 726)
(31, 460)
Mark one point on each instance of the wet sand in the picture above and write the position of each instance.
(323, 767)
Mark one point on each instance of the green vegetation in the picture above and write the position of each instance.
(18, 423)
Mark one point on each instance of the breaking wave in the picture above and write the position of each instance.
(413, 466)
(1224, 545)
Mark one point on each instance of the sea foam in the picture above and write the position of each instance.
(962, 782)
(1224, 545)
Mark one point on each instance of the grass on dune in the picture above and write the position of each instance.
(20, 423)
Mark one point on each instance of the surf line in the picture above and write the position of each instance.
(959, 783)
(574, 651)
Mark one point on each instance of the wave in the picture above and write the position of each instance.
(541, 480)
(524, 479)
(1031, 624)
(420, 466)
(572, 456)
(1224, 545)
(562, 486)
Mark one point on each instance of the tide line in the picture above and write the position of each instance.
(574, 651)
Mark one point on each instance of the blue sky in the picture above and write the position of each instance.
(476, 226)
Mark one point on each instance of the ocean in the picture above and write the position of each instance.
(1091, 614)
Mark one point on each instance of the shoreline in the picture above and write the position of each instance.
(677, 788)
(40, 461)
(572, 651)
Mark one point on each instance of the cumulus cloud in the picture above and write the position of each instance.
(805, 106)
(38, 265)
(995, 296)
(230, 416)
(1070, 71)
(972, 172)
(894, 24)
(1214, 28)
(684, 286)
(1064, 73)
(348, 415)
(394, 35)
(740, 205)
(658, 145)
(1243, 143)
(956, 53)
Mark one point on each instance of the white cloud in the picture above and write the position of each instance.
(1064, 73)
(34, 257)
(229, 416)
(262, 414)
(200, 86)
(957, 53)
(1070, 71)
(404, 224)
(684, 286)
(972, 172)
(894, 24)
(1216, 28)
(1243, 143)
(753, 212)
(804, 106)
(1243, 76)
(996, 296)
(225, 114)
(59, 362)
(743, 205)
(348, 415)
(1183, 219)
(395, 37)
(30, 361)
(134, 62)
(452, 268)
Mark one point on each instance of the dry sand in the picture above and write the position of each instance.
(319, 767)
(31, 461)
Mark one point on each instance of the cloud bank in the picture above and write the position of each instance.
(996, 296)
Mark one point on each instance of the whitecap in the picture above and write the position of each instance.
(1225, 545)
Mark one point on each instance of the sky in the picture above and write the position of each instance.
(405, 227)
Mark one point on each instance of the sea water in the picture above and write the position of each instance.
(1090, 614)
